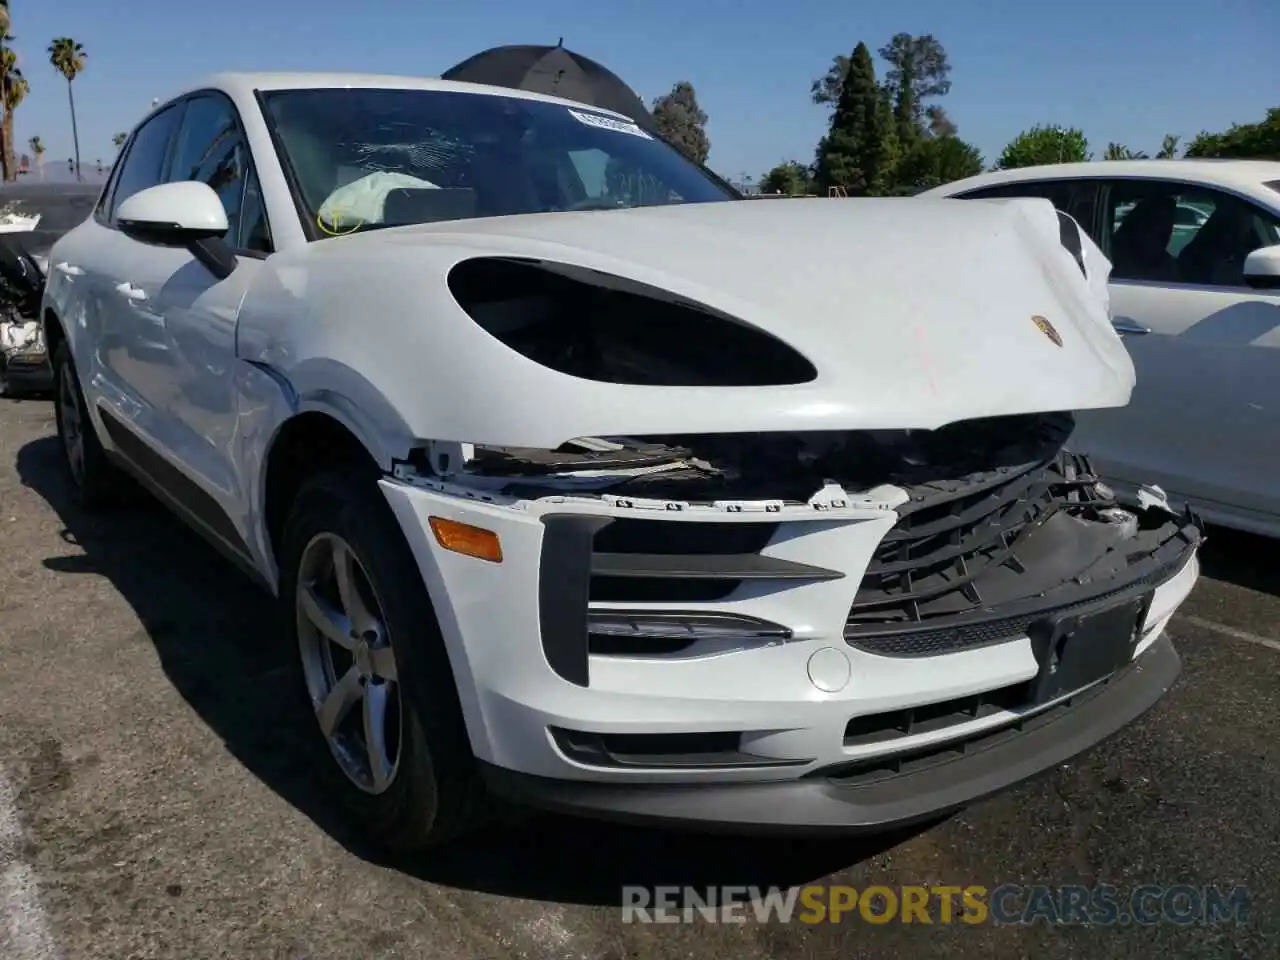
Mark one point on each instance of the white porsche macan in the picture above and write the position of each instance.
(585, 483)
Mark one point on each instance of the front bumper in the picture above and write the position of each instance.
(824, 802)
(26, 372)
(770, 733)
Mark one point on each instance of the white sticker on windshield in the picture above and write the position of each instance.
(609, 123)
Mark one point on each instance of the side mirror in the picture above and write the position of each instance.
(183, 214)
(1262, 268)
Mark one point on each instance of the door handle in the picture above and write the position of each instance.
(68, 269)
(1124, 326)
(130, 291)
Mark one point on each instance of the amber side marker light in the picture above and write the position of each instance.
(468, 540)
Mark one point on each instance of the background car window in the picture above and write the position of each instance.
(1178, 233)
(144, 165)
(209, 148)
(1076, 198)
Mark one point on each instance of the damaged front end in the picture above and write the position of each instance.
(23, 357)
(996, 527)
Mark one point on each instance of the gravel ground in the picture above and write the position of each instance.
(151, 804)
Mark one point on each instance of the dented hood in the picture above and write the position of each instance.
(915, 313)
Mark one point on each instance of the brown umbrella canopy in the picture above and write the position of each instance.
(554, 71)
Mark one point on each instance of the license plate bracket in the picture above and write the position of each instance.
(1077, 650)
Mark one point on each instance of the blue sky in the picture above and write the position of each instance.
(1126, 70)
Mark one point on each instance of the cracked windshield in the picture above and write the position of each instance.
(363, 159)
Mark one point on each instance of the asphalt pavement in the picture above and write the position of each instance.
(152, 803)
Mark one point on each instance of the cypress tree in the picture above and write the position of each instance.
(857, 152)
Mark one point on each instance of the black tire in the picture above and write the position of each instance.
(437, 793)
(97, 482)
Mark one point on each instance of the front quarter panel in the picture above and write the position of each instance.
(293, 345)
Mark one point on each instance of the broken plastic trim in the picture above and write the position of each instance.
(609, 329)
(768, 470)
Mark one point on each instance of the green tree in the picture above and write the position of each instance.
(933, 161)
(1168, 147)
(825, 91)
(682, 122)
(938, 122)
(858, 151)
(68, 59)
(1259, 141)
(790, 178)
(918, 71)
(1118, 151)
(5, 23)
(118, 139)
(1044, 144)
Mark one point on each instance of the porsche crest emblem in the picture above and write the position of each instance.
(1048, 329)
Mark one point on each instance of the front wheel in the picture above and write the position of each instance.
(390, 742)
(97, 481)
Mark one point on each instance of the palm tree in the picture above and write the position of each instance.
(68, 59)
(4, 17)
(37, 151)
(1118, 151)
(119, 139)
(13, 89)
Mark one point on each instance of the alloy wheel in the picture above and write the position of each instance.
(348, 662)
(71, 423)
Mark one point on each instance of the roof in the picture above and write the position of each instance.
(1225, 173)
(247, 83)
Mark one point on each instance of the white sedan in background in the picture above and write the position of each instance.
(1198, 301)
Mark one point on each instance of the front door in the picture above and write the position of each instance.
(170, 403)
(1204, 418)
(196, 313)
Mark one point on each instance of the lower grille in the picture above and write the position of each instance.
(937, 559)
(980, 561)
(912, 722)
(970, 634)
(880, 768)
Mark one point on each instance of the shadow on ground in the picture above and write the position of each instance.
(215, 636)
(1243, 559)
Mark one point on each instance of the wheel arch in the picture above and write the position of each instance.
(52, 330)
(308, 441)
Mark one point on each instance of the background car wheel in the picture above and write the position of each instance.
(389, 735)
(97, 482)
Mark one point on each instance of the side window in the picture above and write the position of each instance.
(103, 206)
(255, 233)
(1181, 233)
(1076, 198)
(144, 165)
(211, 149)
